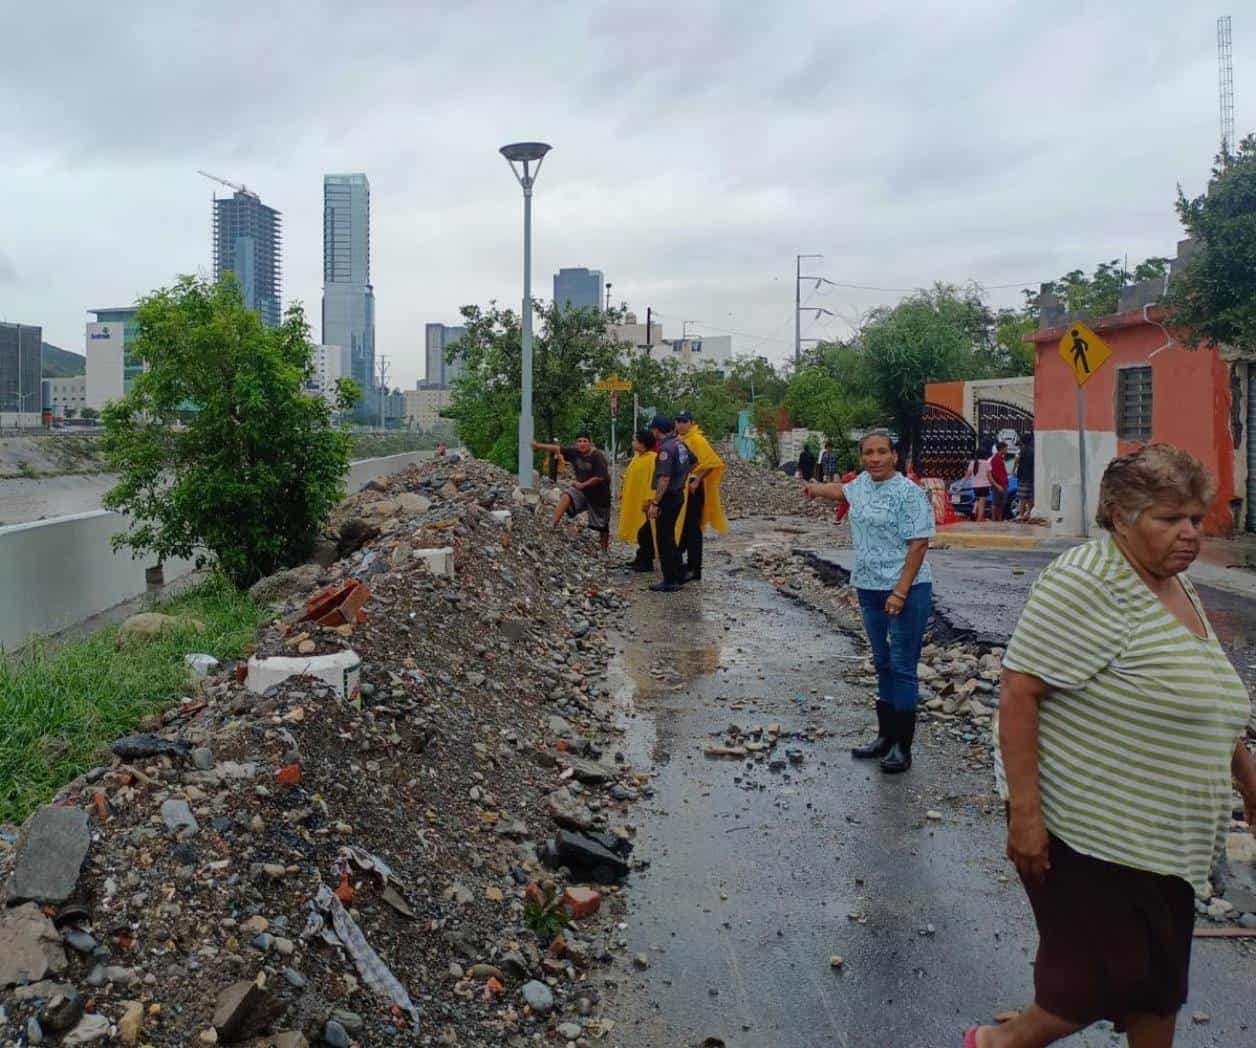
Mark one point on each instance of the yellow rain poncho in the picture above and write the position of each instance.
(712, 510)
(638, 488)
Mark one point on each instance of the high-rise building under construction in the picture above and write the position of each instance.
(247, 242)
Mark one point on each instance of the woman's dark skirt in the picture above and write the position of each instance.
(1113, 941)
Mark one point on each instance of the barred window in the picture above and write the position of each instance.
(1133, 404)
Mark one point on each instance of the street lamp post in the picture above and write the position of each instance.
(525, 155)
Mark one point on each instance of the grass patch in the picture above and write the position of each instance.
(62, 705)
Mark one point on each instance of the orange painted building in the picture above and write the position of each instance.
(1151, 389)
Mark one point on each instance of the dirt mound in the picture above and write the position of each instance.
(204, 911)
(752, 491)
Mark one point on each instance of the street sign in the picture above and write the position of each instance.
(613, 384)
(1083, 351)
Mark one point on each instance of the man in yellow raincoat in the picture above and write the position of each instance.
(702, 501)
(633, 498)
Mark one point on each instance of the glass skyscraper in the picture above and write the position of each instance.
(21, 368)
(578, 288)
(348, 298)
(247, 242)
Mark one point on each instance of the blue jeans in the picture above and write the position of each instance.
(896, 641)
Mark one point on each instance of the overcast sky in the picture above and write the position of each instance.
(697, 147)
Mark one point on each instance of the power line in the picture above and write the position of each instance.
(921, 287)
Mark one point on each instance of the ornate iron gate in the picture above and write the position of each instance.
(996, 415)
(947, 444)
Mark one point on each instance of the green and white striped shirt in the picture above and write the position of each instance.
(1137, 732)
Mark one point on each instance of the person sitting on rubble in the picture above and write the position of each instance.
(590, 493)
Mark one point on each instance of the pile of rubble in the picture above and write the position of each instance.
(959, 697)
(752, 491)
(422, 844)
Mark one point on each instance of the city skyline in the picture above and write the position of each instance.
(933, 176)
(248, 241)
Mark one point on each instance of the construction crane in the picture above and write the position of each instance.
(230, 185)
(1225, 77)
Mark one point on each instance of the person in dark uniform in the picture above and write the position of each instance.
(671, 470)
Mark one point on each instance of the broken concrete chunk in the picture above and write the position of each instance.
(140, 747)
(243, 1008)
(178, 817)
(30, 946)
(54, 847)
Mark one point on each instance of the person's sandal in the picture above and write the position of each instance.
(970, 1037)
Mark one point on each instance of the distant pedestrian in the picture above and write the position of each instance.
(1118, 741)
(979, 474)
(671, 471)
(891, 522)
(1025, 477)
(702, 499)
(806, 463)
(634, 526)
(591, 492)
(999, 480)
(828, 463)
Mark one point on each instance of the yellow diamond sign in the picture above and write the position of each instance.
(1083, 351)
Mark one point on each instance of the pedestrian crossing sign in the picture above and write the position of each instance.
(1083, 351)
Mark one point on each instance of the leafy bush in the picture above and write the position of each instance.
(218, 445)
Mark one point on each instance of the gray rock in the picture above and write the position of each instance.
(91, 1028)
(588, 771)
(140, 747)
(62, 1012)
(569, 1031)
(539, 997)
(351, 1021)
(242, 1008)
(79, 940)
(30, 947)
(335, 1035)
(513, 964)
(568, 812)
(51, 855)
(284, 584)
(295, 979)
(34, 1032)
(202, 758)
(178, 817)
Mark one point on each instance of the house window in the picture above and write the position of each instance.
(1133, 404)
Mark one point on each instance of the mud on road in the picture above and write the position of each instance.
(758, 877)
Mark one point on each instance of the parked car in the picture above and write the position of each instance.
(963, 503)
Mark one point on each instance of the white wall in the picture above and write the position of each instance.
(1056, 462)
(61, 571)
(1018, 391)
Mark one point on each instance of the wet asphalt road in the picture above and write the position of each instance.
(982, 592)
(756, 878)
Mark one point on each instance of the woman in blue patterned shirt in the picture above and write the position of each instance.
(891, 522)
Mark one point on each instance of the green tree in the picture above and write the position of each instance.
(925, 338)
(218, 447)
(91, 414)
(816, 400)
(767, 433)
(1214, 299)
(1097, 295)
(571, 349)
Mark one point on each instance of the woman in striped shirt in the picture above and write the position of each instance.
(1120, 730)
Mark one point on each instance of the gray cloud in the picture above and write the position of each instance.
(698, 146)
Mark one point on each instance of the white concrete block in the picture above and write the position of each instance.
(439, 561)
(341, 669)
(502, 516)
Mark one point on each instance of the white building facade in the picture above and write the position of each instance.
(423, 407)
(65, 397)
(329, 364)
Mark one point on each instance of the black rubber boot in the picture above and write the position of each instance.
(899, 758)
(879, 746)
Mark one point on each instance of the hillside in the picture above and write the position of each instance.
(61, 363)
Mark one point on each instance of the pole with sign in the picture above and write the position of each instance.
(1084, 352)
(614, 385)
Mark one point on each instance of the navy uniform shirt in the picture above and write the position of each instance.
(673, 461)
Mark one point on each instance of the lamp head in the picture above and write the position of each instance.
(525, 151)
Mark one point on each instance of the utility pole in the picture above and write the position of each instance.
(799, 307)
(382, 365)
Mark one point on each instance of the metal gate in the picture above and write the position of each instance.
(996, 415)
(947, 444)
